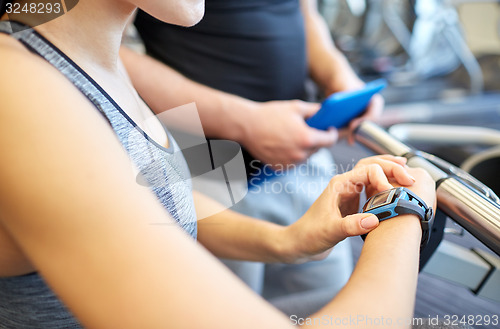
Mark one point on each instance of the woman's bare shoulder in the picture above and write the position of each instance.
(21, 67)
(11, 48)
(30, 82)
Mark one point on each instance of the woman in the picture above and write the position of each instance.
(75, 224)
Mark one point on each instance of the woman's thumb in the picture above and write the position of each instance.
(359, 224)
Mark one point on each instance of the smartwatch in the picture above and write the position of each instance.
(401, 201)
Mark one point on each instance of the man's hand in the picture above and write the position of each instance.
(276, 132)
(373, 111)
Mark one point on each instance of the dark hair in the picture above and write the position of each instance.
(3, 6)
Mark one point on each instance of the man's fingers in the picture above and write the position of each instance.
(307, 109)
(319, 138)
(375, 107)
(373, 112)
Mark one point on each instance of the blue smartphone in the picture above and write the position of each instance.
(340, 108)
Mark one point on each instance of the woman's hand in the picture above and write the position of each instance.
(424, 186)
(333, 216)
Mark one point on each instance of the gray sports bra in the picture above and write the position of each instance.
(26, 301)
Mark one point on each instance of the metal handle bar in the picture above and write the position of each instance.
(431, 134)
(466, 204)
(470, 180)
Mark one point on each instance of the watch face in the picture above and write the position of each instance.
(381, 199)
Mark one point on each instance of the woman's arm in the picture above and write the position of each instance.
(231, 235)
(381, 290)
(69, 199)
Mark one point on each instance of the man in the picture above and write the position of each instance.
(246, 65)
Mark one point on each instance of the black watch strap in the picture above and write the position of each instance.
(415, 206)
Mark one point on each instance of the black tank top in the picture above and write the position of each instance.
(251, 48)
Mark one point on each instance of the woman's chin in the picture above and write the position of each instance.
(185, 15)
(193, 18)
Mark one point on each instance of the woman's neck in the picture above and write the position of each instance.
(90, 33)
